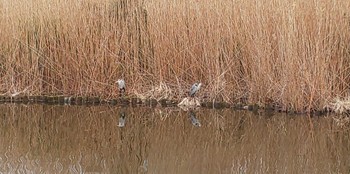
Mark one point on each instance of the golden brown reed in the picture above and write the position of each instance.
(294, 54)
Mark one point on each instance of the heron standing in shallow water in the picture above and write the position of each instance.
(121, 86)
(194, 89)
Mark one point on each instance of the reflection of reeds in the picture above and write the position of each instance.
(293, 54)
(48, 138)
(91, 140)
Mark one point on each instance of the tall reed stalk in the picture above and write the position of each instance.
(293, 54)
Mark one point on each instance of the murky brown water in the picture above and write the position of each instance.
(80, 139)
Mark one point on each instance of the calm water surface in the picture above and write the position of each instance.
(111, 139)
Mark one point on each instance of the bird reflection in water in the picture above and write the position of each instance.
(194, 120)
(121, 119)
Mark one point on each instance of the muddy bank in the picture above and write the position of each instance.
(133, 101)
(82, 100)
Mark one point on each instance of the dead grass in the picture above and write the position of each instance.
(291, 53)
(163, 91)
(339, 105)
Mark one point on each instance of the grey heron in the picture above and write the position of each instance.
(194, 89)
(121, 86)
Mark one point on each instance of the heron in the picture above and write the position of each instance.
(121, 86)
(194, 89)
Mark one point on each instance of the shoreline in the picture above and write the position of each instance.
(138, 102)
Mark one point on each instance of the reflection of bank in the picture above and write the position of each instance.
(133, 145)
(189, 104)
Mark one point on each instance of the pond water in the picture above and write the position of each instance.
(111, 139)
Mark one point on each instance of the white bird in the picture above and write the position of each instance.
(194, 89)
(121, 86)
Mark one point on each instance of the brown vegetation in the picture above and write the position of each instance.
(293, 54)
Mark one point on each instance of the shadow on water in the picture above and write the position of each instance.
(102, 139)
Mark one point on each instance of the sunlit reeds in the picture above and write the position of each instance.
(292, 54)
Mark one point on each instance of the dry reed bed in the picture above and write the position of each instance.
(294, 55)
